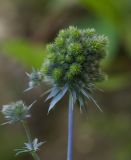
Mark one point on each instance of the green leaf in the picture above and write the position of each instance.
(116, 82)
(106, 9)
(25, 52)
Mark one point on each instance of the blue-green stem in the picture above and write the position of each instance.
(70, 130)
(28, 134)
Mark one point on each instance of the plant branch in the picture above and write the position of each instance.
(28, 134)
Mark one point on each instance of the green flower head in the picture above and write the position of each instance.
(74, 57)
(35, 78)
(16, 111)
(73, 63)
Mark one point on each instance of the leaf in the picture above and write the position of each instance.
(21, 151)
(58, 97)
(93, 100)
(87, 95)
(25, 52)
(55, 90)
(116, 82)
(46, 92)
(74, 97)
(107, 9)
(30, 106)
(81, 103)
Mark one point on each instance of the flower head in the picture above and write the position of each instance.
(74, 57)
(35, 78)
(30, 147)
(16, 111)
(73, 63)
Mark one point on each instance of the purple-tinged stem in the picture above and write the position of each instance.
(70, 130)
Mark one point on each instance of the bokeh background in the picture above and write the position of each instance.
(26, 26)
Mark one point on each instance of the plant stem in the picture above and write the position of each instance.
(28, 134)
(70, 130)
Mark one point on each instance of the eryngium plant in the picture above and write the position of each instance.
(73, 67)
(16, 111)
(19, 112)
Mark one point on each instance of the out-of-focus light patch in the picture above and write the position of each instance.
(3, 30)
(7, 19)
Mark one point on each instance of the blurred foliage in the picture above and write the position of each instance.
(115, 129)
(116, 82)
(13, 141)
(27, 53)
(109, 17)
(117, 13)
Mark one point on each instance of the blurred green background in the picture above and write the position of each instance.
(26, 26)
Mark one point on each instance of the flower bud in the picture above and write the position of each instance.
(35, 78)
(15, 111)
(57, 73)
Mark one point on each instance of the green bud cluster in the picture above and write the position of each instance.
(15, 111)
(35, 78)
(74, 57)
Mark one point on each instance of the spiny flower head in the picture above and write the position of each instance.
(34, 146)
(73, 63)
(74, 57)
(35, 78)
(16, 111)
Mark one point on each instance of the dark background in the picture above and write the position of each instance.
(26, 26)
